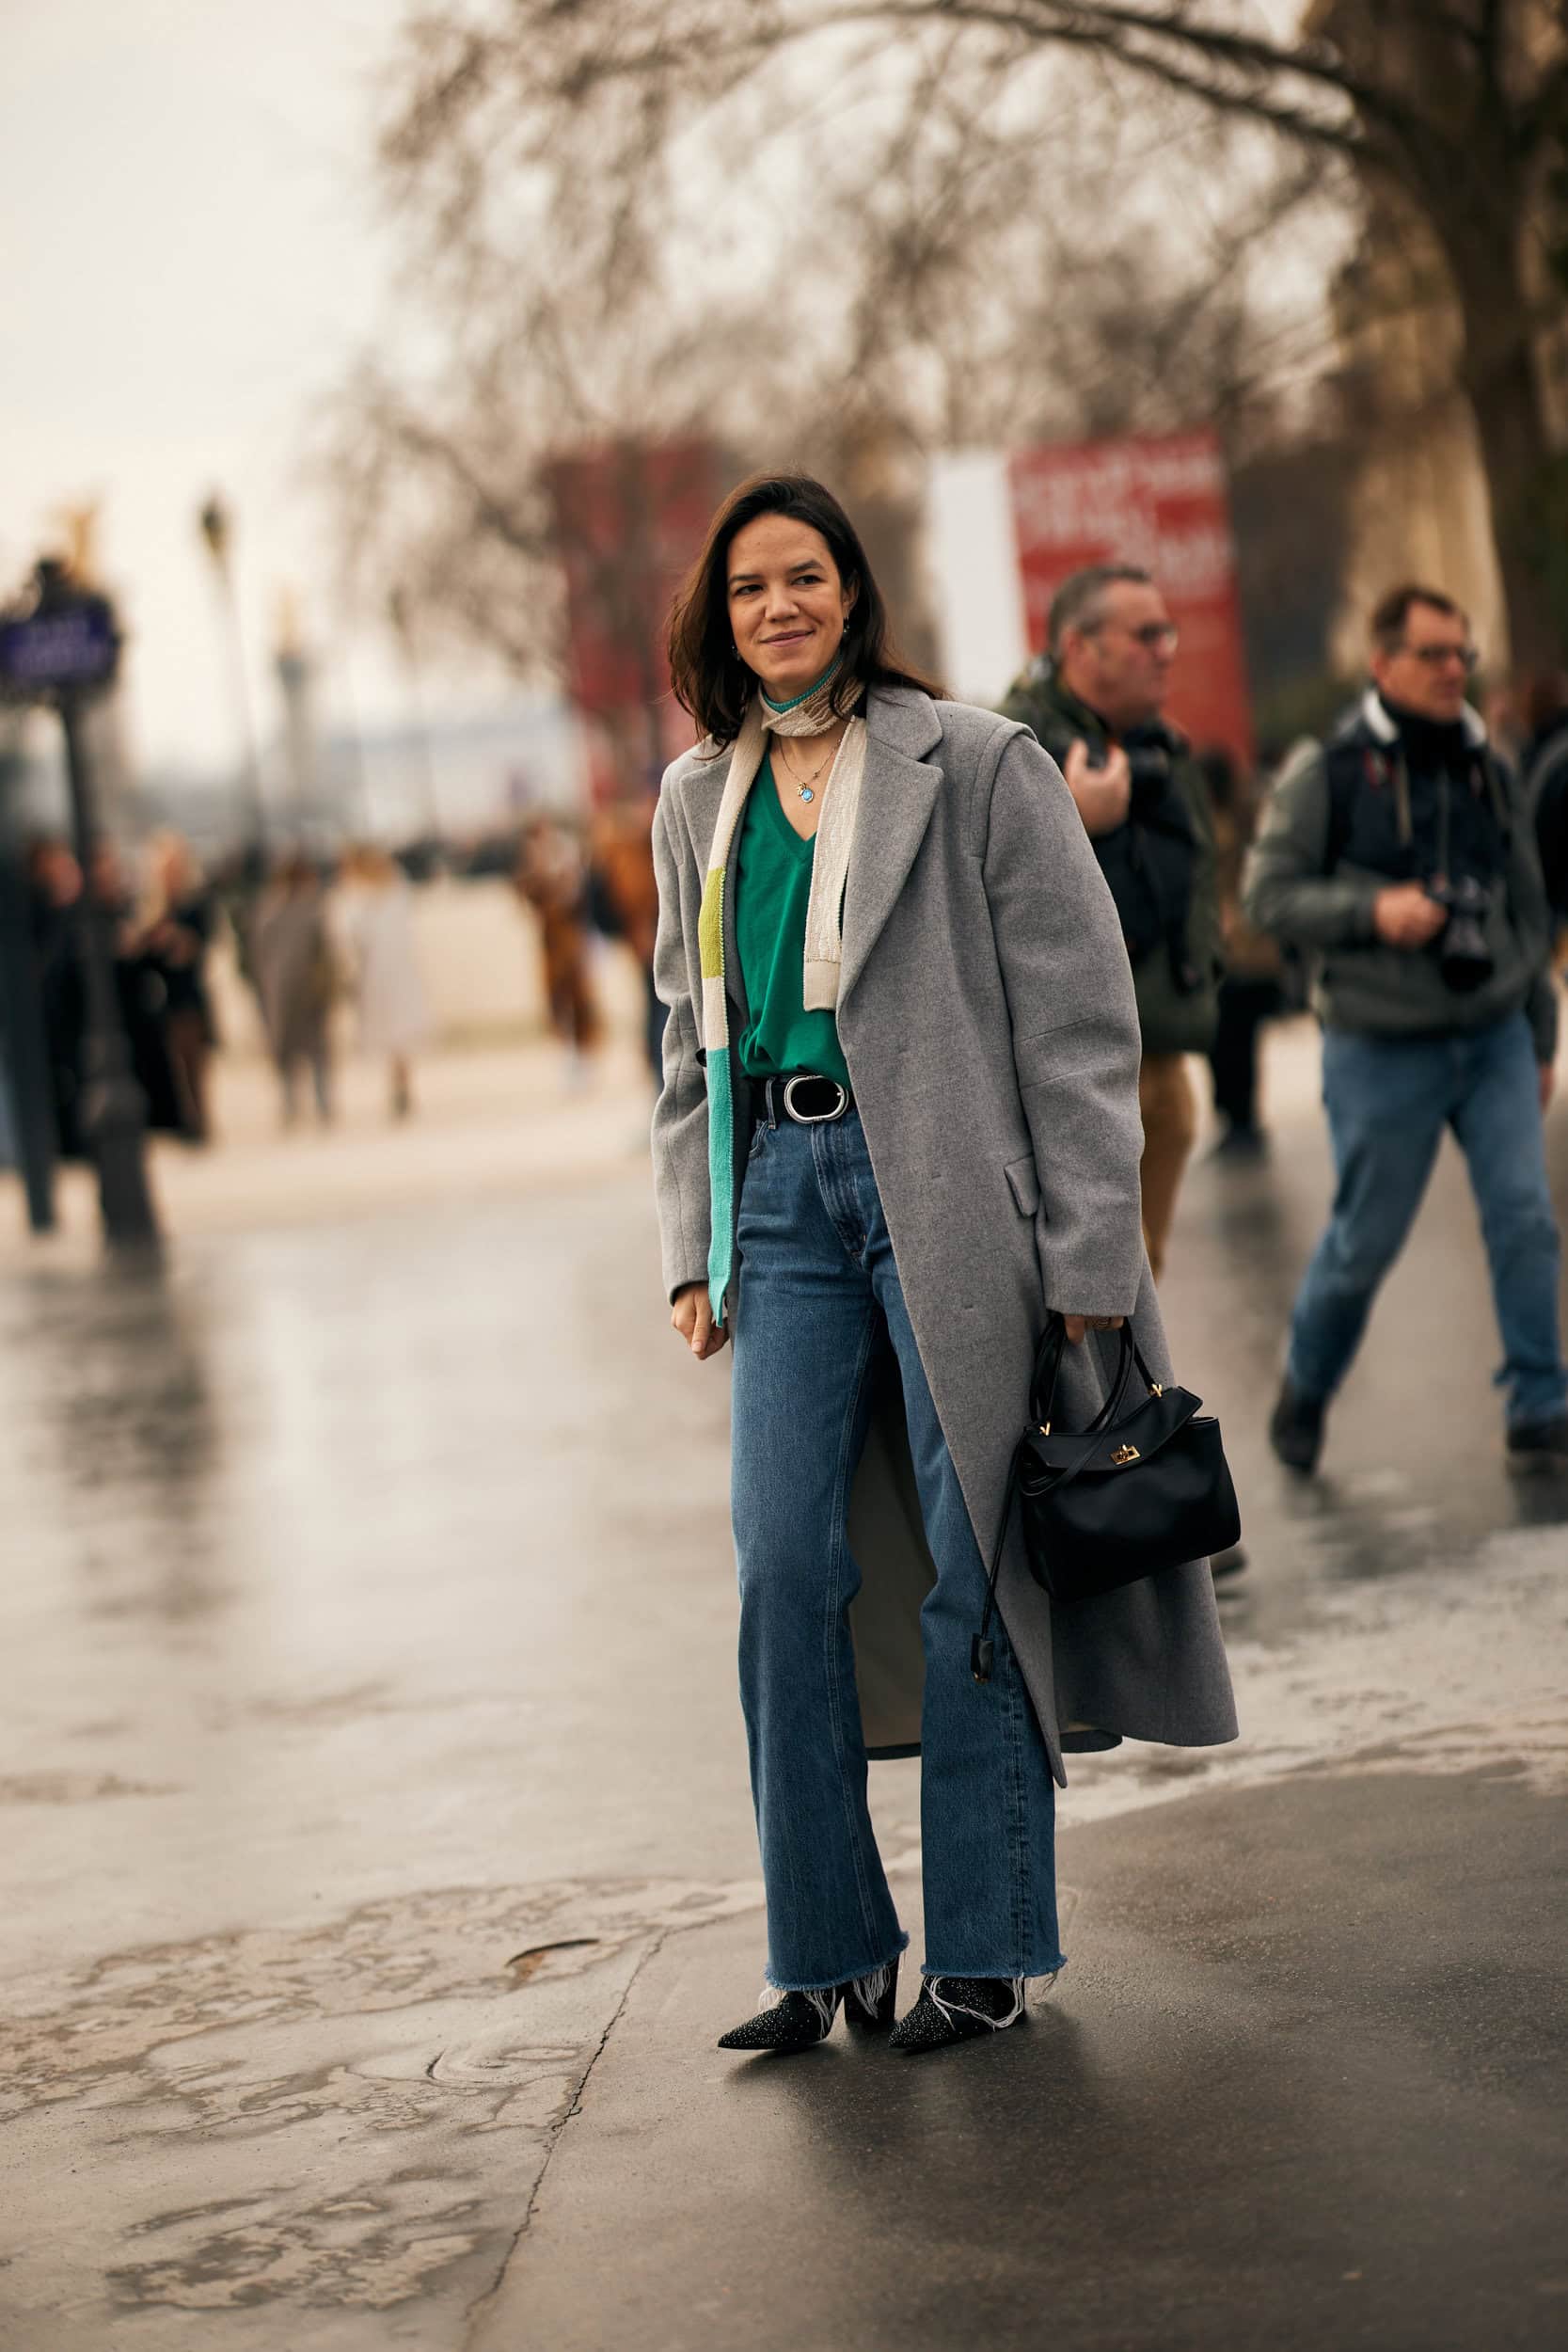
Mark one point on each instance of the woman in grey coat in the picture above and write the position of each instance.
(900, 1122)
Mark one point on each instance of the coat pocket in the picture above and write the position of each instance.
(1024, 1184)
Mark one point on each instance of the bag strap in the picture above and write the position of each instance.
(982, 1649)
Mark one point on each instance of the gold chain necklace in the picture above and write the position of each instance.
(807, 789)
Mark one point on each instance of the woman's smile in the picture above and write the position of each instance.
(787, 603)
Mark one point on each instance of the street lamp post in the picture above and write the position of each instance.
(217, 530)
(400, 612)
(62, 649)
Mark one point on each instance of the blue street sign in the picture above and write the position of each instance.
(73, 644)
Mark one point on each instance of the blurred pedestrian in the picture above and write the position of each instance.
(1250, 990)
(296, 980)
(552, 879)
(9, 1150)
(1402, 853)
(1096, 701)
(1545, 768)
(176, 932)
(143, 999)
(623, 895)
(239, 884)
(376, 919)
(898, 1124)
(55, 889)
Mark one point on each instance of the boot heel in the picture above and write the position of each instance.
(870, 2003)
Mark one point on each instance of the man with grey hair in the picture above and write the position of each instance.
(1096, 700)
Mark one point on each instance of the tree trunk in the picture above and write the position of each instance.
(1501, 379)
(1516, 453)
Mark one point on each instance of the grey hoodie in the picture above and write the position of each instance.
(1362, 985)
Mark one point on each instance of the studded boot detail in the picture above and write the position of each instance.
(956, 2009)
(798, 2021)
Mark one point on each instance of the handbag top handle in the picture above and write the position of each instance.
(1048, 1360)
(1049, 1357)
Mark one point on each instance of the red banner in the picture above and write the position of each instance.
(1160, 503)
(629, 518)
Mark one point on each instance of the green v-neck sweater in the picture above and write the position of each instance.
(773, 869)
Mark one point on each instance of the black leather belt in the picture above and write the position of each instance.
(806, 1098)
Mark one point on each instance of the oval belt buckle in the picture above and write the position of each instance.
(814, 1119)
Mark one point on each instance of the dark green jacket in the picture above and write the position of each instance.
(1174, 1016)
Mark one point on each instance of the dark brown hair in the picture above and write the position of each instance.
(1393, 611)
(710, 679)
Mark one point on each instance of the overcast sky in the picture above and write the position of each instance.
(191, 255)
(192, 259)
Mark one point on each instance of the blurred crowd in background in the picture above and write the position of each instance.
(312, 936)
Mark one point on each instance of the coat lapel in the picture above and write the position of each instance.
(897, 794)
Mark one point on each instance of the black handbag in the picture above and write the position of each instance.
(1144, 1487)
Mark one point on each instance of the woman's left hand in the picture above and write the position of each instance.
(1075, 1326)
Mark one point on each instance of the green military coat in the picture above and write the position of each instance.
(1171, 1019)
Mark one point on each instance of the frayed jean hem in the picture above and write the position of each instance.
(845, 1975)
(1036, 1972)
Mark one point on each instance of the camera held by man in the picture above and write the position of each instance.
(1463, 957)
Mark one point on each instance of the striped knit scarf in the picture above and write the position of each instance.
(836, 830)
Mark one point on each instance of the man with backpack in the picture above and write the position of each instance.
(1402, 854)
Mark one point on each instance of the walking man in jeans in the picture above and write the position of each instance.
(1402, 854)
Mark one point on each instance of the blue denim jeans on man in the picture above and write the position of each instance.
(1389, 1101)
(819, 1295)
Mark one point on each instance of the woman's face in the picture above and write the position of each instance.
(787, 603)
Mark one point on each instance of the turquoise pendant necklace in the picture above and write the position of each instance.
(806, 790)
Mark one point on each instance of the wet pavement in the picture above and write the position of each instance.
(1293, 2090)
(371, 1782)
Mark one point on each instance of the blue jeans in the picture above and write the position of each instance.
(1389, 1101)
(819, 1295)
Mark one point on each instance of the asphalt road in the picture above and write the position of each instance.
(377, 1865)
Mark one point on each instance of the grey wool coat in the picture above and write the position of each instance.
(986, 1016)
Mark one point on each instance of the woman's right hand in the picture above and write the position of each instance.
(1076, 1325)
(692, 1317)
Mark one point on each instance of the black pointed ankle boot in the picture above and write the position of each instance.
(798, 2021)
(956, 2009)
(871, 2003)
